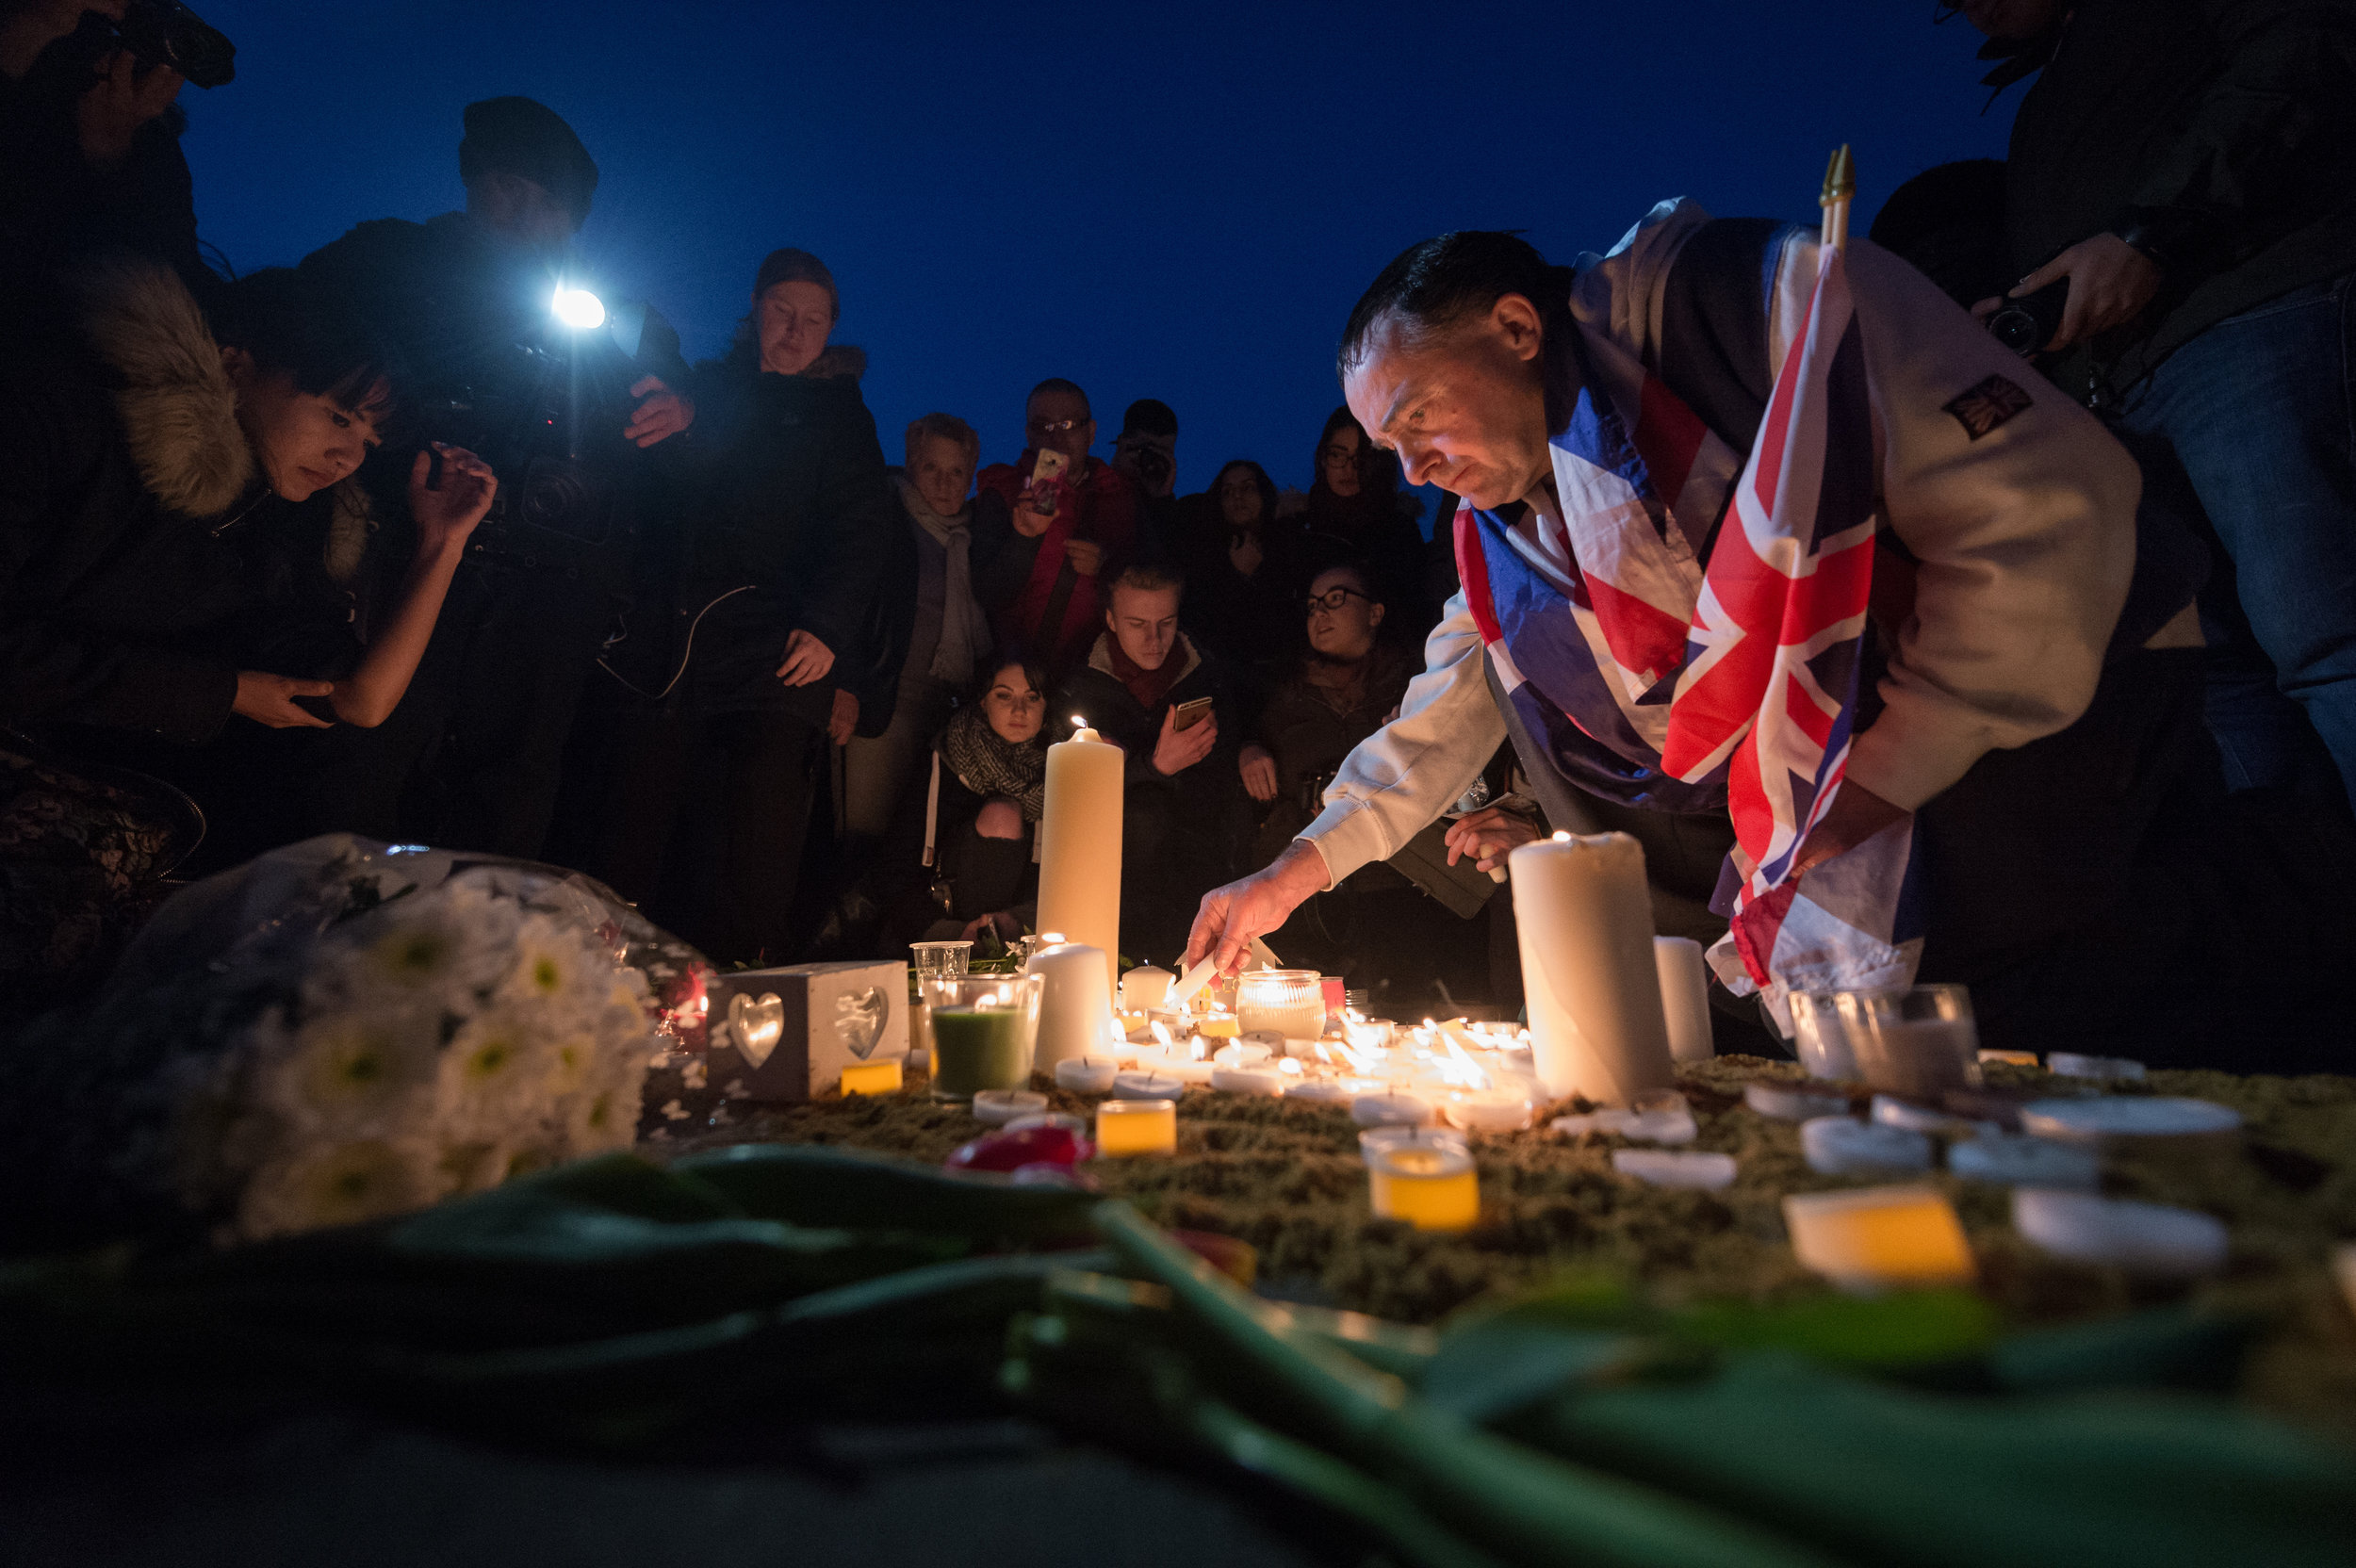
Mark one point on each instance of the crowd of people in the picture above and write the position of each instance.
(421, 539)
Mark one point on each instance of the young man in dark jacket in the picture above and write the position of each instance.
(2184, 166)
(1182, 807)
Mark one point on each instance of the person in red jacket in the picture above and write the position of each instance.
(1043, 550)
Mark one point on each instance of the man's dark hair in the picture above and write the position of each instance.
(527, 138)
(1150, 417)
(792, 266)
(1057, 384)
(291, 324)
(1432, 285)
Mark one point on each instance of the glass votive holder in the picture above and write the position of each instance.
(1289, 1003)
(984, 1029)
(1425, 1180)
(1131, 1127)
(1914, 1040)
(940, 960)
(1820, 1036)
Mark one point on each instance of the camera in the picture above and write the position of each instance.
(2025, 325)
(166, 33)
(1149, 467)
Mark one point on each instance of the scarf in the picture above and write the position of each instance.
(1640, 676)
(989, 764)
(964, 634)
(1148, 686)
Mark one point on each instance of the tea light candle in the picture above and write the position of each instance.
(1396, 1109)
(1244, 1052)
(1146, 1084)
(1087, 1074)
(996, 1108)
(1428, 1182)
(1248, 1080)
(1487, 1110)
(1146, 988)
(1839, 1146)
(1136, 1126)
(1320, 1091)
(883, 1077)
(1872, 1237)
(2142, 1239)
(1785, 1102)
(1663, 1168)
(2019, 1162)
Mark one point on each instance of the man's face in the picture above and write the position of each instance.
(1465, 409)
(523, 211)
(2012, 19)
(1058, 422)
(797, 319)
(1145, 623)
(941, 472)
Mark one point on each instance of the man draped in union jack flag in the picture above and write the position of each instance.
(1772, 558)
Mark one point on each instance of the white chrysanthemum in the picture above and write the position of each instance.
(338, 1183)
(494, 1078)
(349, 1069)
(445, 946)
(461, 1169)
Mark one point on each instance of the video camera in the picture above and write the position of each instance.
(167, 33)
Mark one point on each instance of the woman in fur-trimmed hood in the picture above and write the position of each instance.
(175, 524)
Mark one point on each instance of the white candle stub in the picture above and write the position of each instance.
(1664, 1168)
(1390, 1110)
(1786, 1102)
(1248, 1080)
(1840, 1146)
(1668, 1125)
(1087, 1074)
(1892, 1111)
(2108, 1070)
(1143, 1085)
(2126, 1117)
(1487, 1110)
(996, 1108)
(1319, 1091)
(2142, 1239)
(2021, 1162)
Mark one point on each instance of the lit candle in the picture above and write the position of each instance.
(996, 1108)
(1684, 997)
(1087, 1074)
(1427, 1183)
(1281, 1001)
(1588, 971)
(1079, 856)
(1871, 1238)
(1242, 1053)
(1487, 1110)
(1141, 1083)
(1146, 988)
(1126, 1127)
(881, 1077)
(1840, 1146)
(1399, 1109)
(1075, 1004)
(1248, 1080)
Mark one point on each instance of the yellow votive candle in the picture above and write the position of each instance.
(1429, 1185)
(1217, 1026)
(872, 1077)
(1875, 1236)
(1126, 1127)
(2010, 1059)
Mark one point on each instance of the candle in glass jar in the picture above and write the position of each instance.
(1427, 1183)
(881, 1077)
(1126, 1127)
(1288, 1003)
(1079, 855)
(1584, 916)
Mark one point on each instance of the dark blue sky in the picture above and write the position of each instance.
(1168, 200)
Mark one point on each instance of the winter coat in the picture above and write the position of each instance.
(2229, 126)
(1018, 577)
(144, 562)
(1309, 734)
(1249, 624)
(792, 506)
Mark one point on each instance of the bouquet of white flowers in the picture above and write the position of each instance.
(342, 1029)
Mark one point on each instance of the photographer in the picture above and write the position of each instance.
(1146, 454)
(2180, 170)
(565, 406)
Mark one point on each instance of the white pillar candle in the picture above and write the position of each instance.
(996, 1108)
(1135, 1085)
(1146, 988)
(1588, 971)
(1390, 1110)
(1684, 997)
(1087, 1074)
(1248, 1080)
(1079, 855)
(1075, 1006)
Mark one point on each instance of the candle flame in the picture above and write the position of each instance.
(1079, 723)
(1561, 838)
(1162, 1037)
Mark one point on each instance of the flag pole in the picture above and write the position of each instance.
(1839, 185)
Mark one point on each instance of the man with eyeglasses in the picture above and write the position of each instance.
(1041, 548)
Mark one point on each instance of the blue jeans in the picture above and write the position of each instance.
(2260, 409)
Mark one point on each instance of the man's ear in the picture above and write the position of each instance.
(1375, 615)
(1515, 322)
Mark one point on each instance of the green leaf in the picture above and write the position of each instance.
(1906, 1328)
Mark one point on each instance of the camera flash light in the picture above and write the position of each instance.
(578, 309)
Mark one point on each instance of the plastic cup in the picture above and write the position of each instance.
(940, 960)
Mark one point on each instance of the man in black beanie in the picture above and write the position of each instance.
(509, 353)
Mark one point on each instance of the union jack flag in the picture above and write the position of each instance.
(1656, 683)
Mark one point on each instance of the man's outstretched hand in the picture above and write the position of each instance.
(1233, 915)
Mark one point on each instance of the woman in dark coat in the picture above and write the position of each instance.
(1355, 513)
(790, 533)
(1239, 563)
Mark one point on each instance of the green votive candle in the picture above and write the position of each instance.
(976, 1049)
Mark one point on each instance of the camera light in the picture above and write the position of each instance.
(578, 309)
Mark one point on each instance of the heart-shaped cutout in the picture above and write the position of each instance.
(756, 1027)
(859, 1020)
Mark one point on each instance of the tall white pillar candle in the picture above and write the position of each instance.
(1075, 1006)
(1079, 859)
(1684, 997)
(1588, 971)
